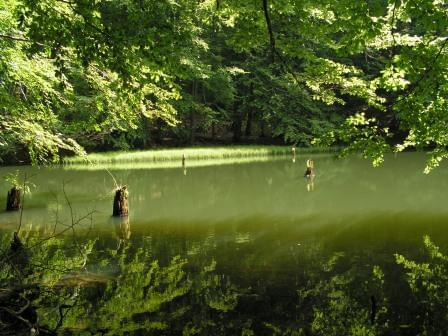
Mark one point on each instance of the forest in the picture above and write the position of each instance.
(80, 75)
(152, 159)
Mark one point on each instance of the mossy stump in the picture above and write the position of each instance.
(13, 199)
(121, 206)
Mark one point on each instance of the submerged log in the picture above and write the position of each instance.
(121, 206)
(13, 199)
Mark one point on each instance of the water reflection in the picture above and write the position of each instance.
(307, 289)
(310, 183)
(265, 188)
(122, 230)
(184, 166)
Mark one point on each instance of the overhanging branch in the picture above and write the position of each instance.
(269, 26)
(272, 43)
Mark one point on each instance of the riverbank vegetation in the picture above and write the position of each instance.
(77, 76)
(196, 153)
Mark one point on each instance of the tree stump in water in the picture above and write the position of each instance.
(121, 207)
(13, 200)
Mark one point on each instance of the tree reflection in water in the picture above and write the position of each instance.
(95, 288)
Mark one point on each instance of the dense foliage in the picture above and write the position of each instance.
(80, 74)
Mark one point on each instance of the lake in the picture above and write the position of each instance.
(250, 248)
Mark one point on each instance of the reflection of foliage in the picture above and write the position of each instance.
(140, 290)
(146, 296)
(31, 276)
(341, 311)
(428, 281)
(49, 259)
(336, 294)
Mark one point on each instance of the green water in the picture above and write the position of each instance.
(267, 234)
(343, 192)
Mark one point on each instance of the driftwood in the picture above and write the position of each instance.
(13, 199)
(121, 206)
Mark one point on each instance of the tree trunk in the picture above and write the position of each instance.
(192, 127)
(248, 131)
(237, 122)
(213, 130)
(194, 92)
(14, 199)
(267, 18)
(262, 129)
(250, 113)
(121, 206)
(147, 132)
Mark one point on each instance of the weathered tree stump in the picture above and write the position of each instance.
(121, 206)
(309, 173)
(14, 199)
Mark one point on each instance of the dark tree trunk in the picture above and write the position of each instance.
(213, 130)
(194, 91)
(147, 128)
(192, 127)
(248, 131)
(269, 26)
(14, 199)
(121, 206)
(262, 129)
(237, 122)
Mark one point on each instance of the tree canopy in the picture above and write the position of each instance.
(78, 74)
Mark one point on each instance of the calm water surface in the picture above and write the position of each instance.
(347, 196)
(266, 229)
